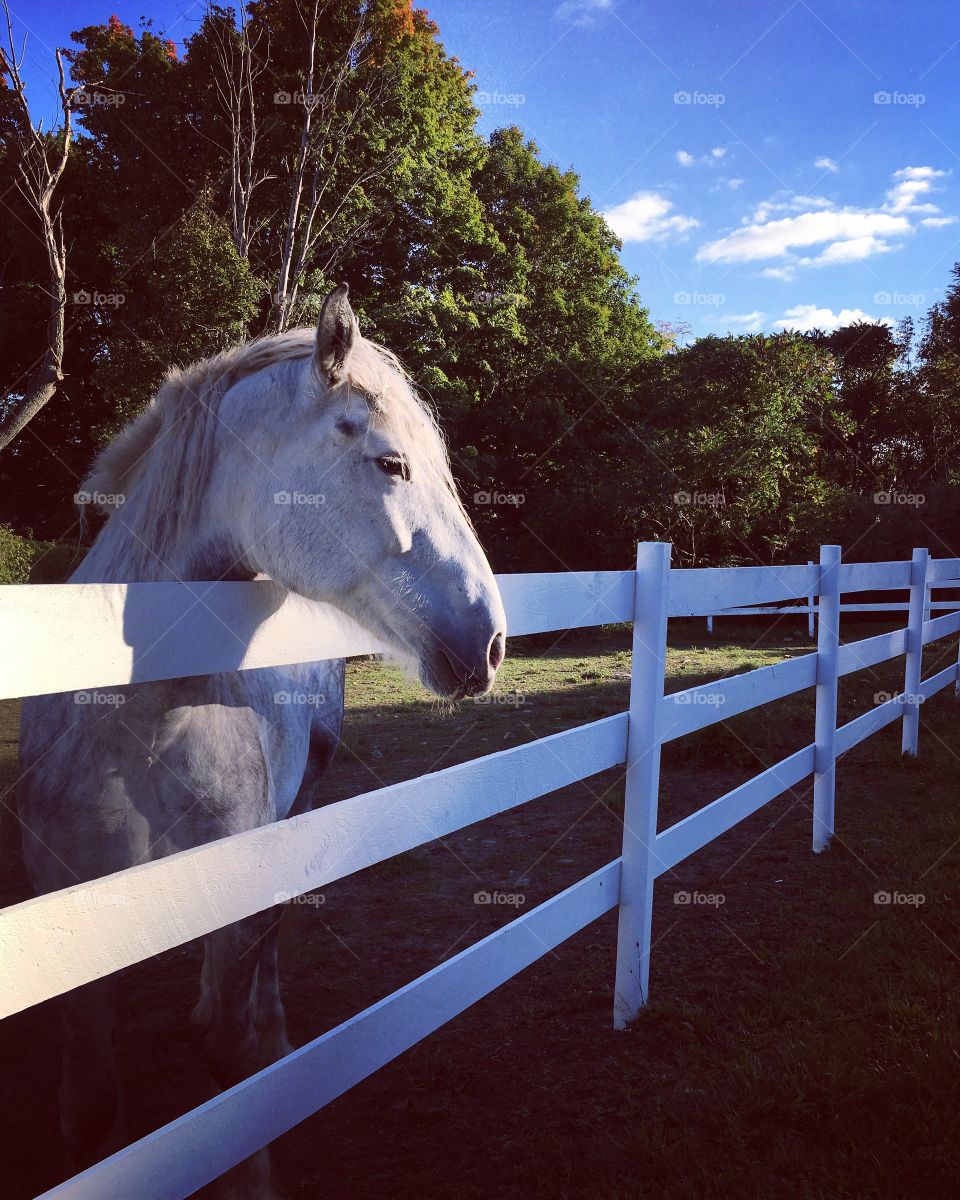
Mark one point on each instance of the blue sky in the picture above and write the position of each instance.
(768, 163)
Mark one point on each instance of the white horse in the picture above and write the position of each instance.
(307, 458)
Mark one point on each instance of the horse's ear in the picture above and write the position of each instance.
(337, 332)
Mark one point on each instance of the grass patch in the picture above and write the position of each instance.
(805, 1043)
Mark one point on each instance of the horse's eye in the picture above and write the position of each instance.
(394, 464)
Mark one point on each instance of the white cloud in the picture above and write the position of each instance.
(826, 164)
(852, 250)
(647, 217)
(927, 174)
(790, 232)
(724, 183)
(783, 202)
(804, 317)
(775, 239)
(801, 202)
(913, 183)
(711, 159)
(582, 12)
(751, 322)
(784, 274)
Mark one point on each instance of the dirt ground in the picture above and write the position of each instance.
(802, 1038)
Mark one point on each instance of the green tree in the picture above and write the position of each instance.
(868, 438)
(208, 295)
(558, 332)
(738, 421)
(936, 407)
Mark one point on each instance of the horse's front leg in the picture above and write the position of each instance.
(244, 1027)
(239, 1011)
(268, 1012)
(88, 1085)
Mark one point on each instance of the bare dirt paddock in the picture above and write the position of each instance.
(802, 1040)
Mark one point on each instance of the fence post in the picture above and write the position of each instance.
(956, 687)
(828, 647)
(811, 608)
(956, 608)
(637, 874)
(914, 664)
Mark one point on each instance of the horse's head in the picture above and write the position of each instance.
(355, 504)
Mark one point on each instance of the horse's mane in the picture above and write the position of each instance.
(183, 406)
(172, 436)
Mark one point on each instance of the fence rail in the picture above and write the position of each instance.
(69, 637)
(56, 942)
(861, 577)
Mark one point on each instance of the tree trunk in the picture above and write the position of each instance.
(40, 167)
(46, 378)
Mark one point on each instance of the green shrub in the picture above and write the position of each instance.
(54, 562)
(25, 560)
(16, 556)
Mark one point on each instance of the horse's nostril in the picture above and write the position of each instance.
(495, 653)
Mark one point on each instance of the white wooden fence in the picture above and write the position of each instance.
(65, 637)
(810, 608)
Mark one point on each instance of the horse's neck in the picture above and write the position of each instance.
(126, 551)
(117, 556)
(123, 553)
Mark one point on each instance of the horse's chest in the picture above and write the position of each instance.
(215, 751)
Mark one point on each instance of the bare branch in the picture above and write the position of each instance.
(41, 160)
(239, 65)
(327, 133)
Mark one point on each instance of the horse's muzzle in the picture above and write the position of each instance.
(463, 662)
